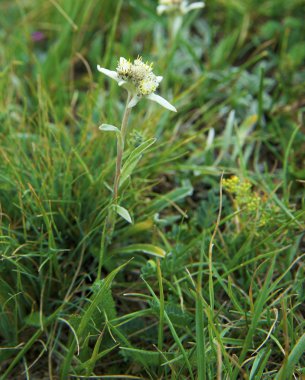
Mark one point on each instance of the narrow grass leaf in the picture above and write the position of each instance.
(169, 199)
(173, 331)
(258, 308)
(288, 367)
(86, 319)
(149, 249)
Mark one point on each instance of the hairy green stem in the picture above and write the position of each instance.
(120, 150)
(102, 251)
(110, 218)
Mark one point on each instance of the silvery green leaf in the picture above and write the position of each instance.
(111, 74)
(161, 9)
(122, 82)
(193, 6)
(164, 103)
(134, 101)
(128, 170)
(134, 158)
(123, 213)
(109, 128)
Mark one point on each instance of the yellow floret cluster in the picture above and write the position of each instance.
(140, 74)
(244, 198)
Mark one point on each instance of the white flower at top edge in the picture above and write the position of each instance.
(178, 6)
(139, 80)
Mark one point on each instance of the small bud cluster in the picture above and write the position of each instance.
(172, 6)
(180, 7)
(139, 74)
(231, 184)
(170, 2)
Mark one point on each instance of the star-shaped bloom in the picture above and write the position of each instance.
(139, 80)
(178, 6)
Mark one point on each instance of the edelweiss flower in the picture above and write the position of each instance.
(179, 6)
(139, 80)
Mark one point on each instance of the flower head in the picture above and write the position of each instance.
(140, 70)
(139, 80)
(148, 85)
(177, 6)
(124, 68)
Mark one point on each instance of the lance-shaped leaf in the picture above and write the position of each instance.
(123, 213)
(109, 128)
(133, 159)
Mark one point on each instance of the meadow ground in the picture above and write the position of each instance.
(207, 282)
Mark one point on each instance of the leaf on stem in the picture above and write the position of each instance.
(134, 158)
(123, 213)
(109, 128)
